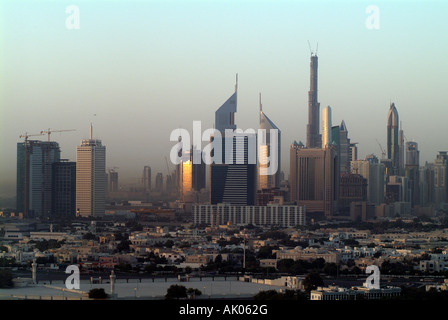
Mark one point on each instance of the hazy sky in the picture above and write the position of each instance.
(139, 69)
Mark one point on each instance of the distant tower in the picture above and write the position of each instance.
(313, 139)
(401, 147)
(147, 178)
(35, 161)
(234, 182)
(393, 150)
(268, 181)
(326, 127)
(91, 180)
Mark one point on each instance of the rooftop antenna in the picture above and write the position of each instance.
(236, 83)
(91, 131)
(261, 106)
(311, 51)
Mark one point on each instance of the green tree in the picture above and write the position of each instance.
(6, 279)
(176, 291)
(97, 293)
(312, 281)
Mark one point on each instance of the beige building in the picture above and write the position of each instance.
(91, 179)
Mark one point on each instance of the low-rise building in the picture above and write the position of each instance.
(353, 293)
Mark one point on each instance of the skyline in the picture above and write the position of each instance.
(136, 85)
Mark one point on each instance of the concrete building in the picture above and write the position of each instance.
(393, 152)
(34, 177)
(314, 179)
(269, 215)
(91, 181)
(374, 173)
(354, 293)
(313, 137)
(269, 153)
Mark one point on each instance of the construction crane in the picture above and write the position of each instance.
(383, 153)
(26, 135)
(48, 132)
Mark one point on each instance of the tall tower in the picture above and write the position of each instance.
(266, 149)
(313, 139)
(34, 177)
(234, 182)
(91, 180)
(393, 150)
(146, 179)
(326, 127)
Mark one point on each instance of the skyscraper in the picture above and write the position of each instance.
(64, 189)
(233, 182)
(344, 149)
(34, 177)
(91, 180)
(326, 127)
(313, 138)
(441, 178)
(146, 180)
(412, 172)
(374, 172)
(113, 181)
(314, 179)
(393, 139)
(159, 182)
(267, 181)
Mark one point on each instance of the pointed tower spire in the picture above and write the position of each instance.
(236, 83)
(91, 131)
(261, 106)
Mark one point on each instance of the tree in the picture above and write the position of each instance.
(97, 293)
(194, 292)
(5, 279)
(312, 281)
(176, 291)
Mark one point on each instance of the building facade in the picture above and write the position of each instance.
(269, 215)
(91, 180)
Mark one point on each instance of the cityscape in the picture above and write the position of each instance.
(251, 216)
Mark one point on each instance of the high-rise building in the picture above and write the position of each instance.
(426, 184)
(91, 180)
(401, 151)
(352, 188)
(412, 168)
(412, 154)
(234, 180)
(159, 182)
(146, 180)
(344, 149)
(440, 178)
(113, 181)
(34, 177)
(374, 173)
(313, 138)
(393, 152)
(314, 178)
(326, 127)
(353, 152)
(268, 181)
(64, 189)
